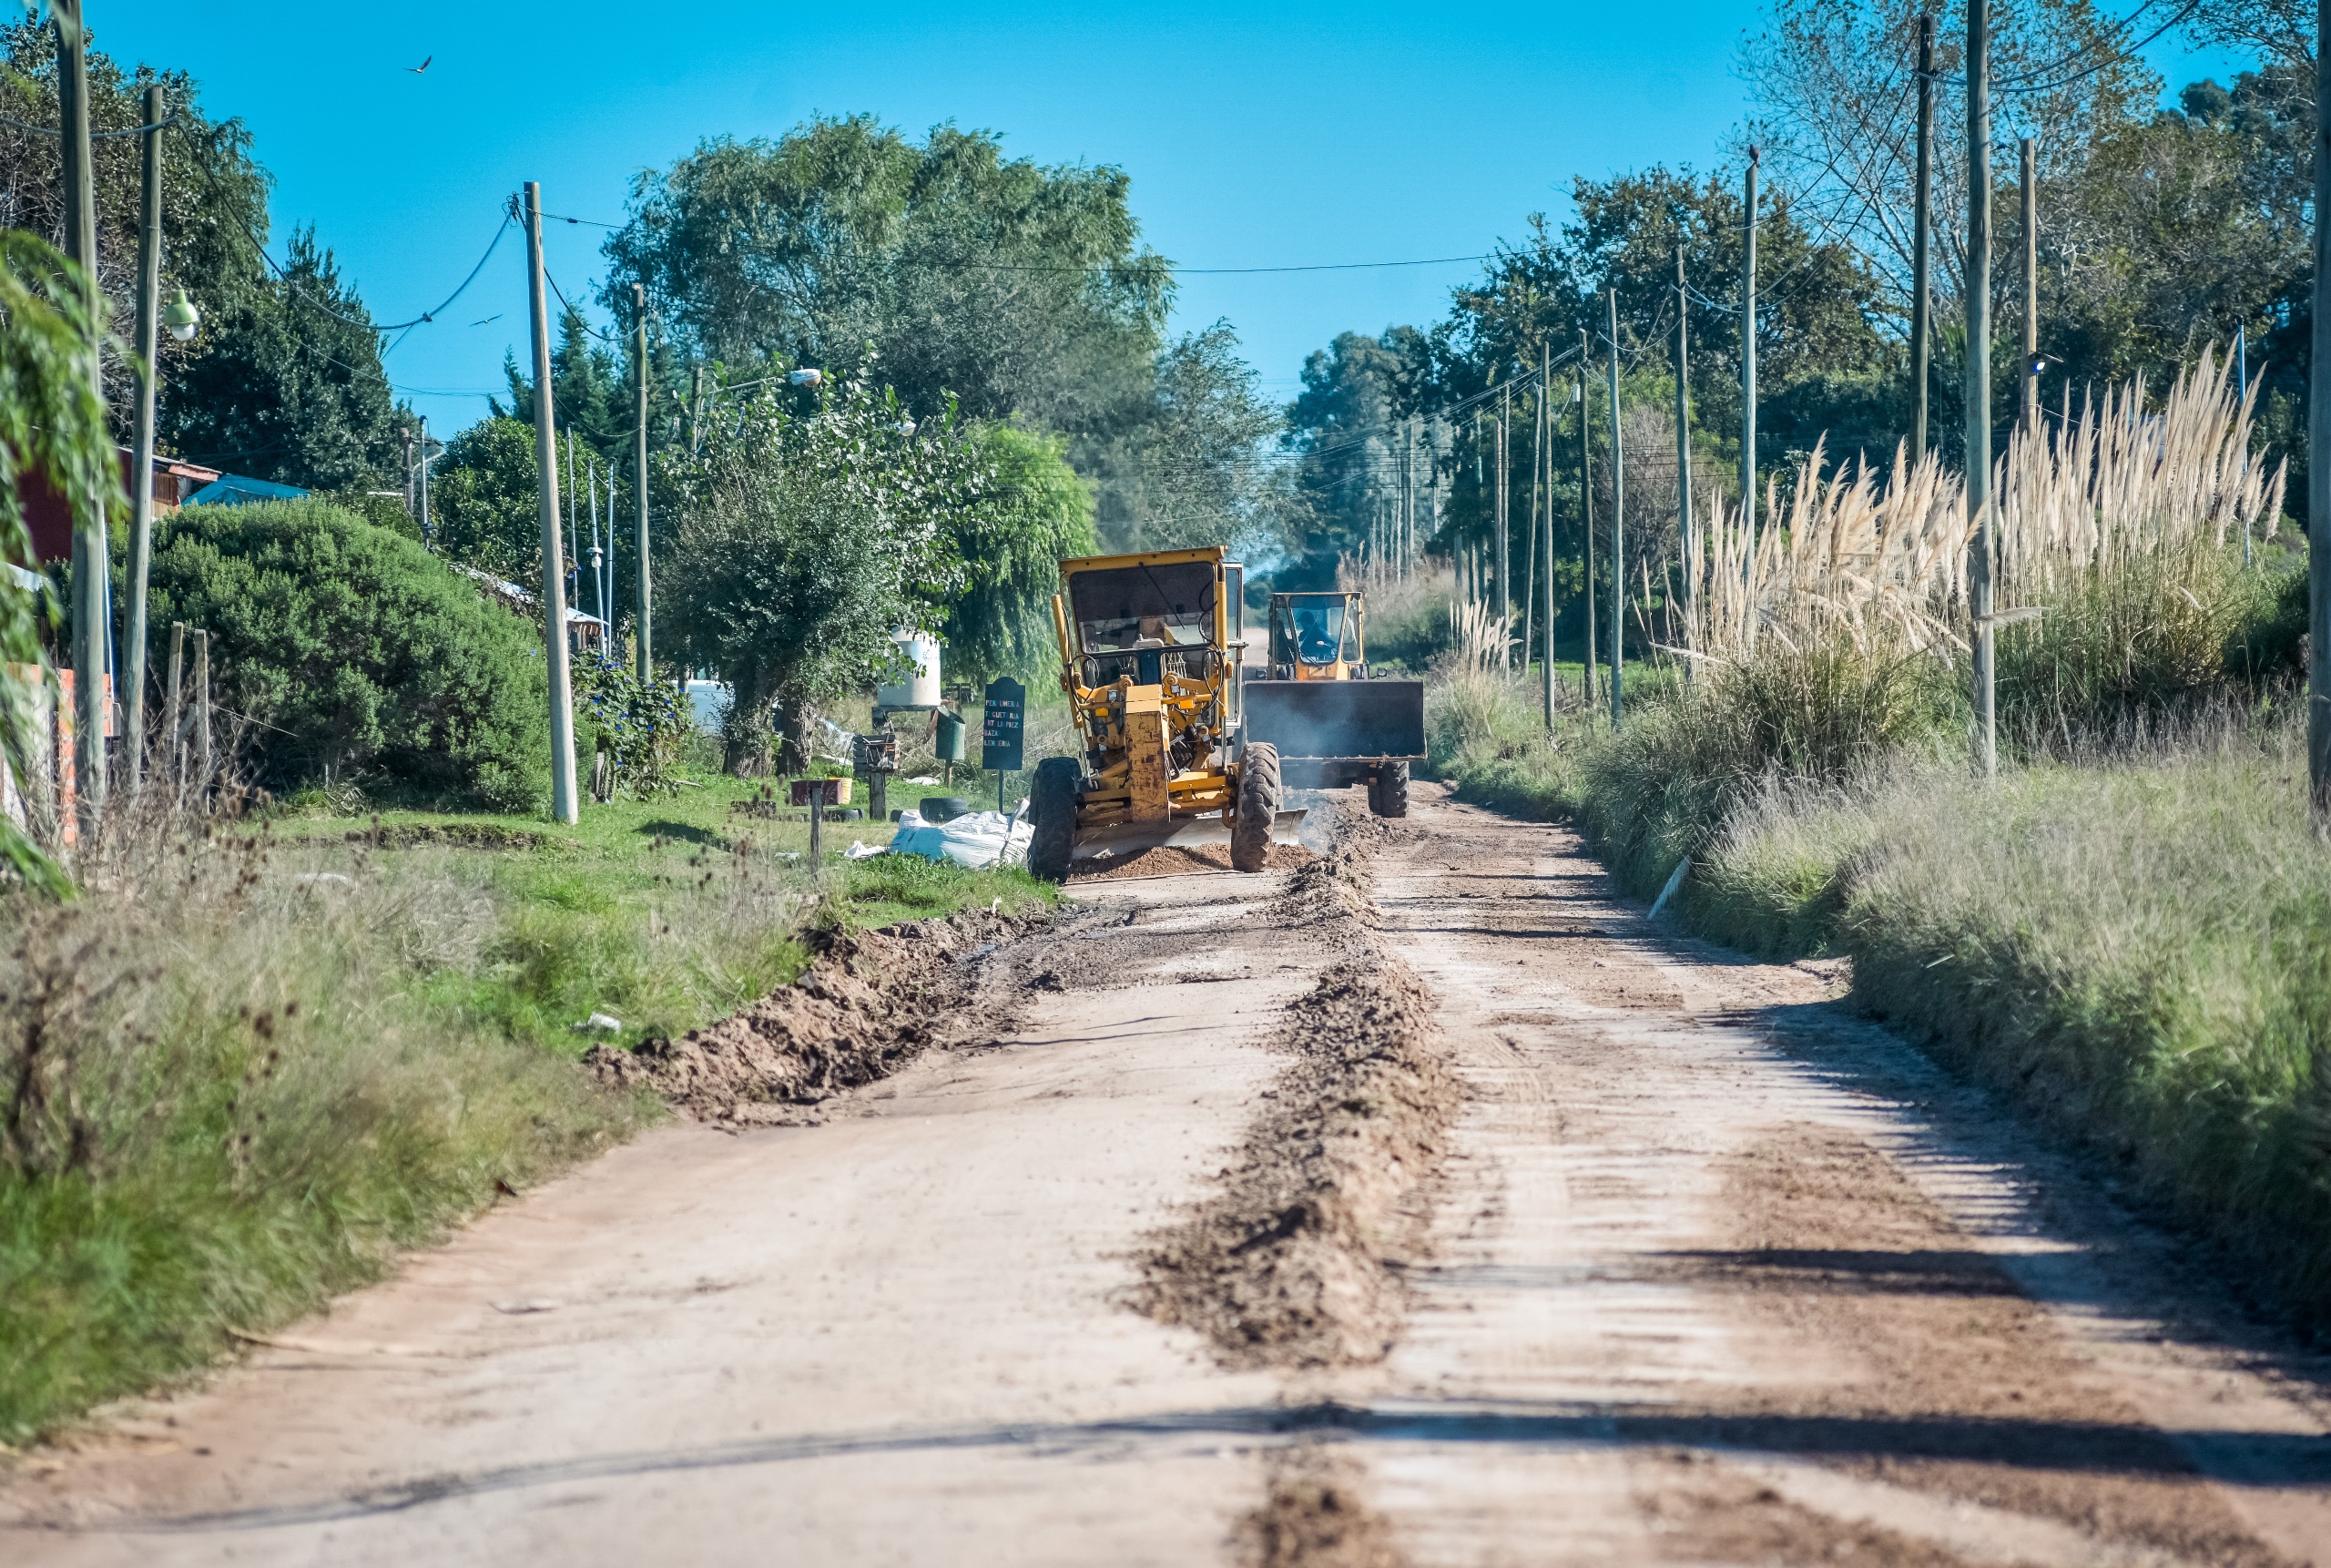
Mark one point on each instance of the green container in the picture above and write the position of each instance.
(951, 737)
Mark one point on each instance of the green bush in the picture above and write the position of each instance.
(354, 650)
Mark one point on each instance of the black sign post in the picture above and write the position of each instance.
(1002, 736)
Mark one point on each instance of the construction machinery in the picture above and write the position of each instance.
(1331, 722)
(1149, 647)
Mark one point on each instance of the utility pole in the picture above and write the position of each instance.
(1504, 533)
(1546, 451)
(1530, 572)
(92, 618)
(1748, 362)
(1922, 249)
(1683, 537)
(563, 804)
(2318, 435)
(141, 478)
(1979, 380)
(1586, 513)
(2241, 391)
(428, 533)
(2031, 150)
(405, 439)
(1618, 525)
(639, 469)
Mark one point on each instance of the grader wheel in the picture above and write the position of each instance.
(1052, 810)
(1257, 807)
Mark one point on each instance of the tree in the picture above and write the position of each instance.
(284, 381)
(1349, 427)
(485, 499)
(805, 540)
(1192, 468)
(588, 392)
(1007, 287)
(359, 651)
(1036, 513)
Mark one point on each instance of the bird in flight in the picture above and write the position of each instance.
(490, 319)
(416, 70)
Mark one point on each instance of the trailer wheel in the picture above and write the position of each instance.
(1257, 807)
(1388, 792)
(1052, 810)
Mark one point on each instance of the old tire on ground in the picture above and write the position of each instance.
(1387, 795)
(1257, 807)
(1051, 814)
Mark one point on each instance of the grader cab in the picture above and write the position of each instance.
(1149, 648)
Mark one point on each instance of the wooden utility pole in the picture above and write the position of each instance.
(639, 468)
(1684, 538)
(1922, 249)
(1979, 380)
(1748, 360)
(1586, 513)
(1618, 525)
(2031, 217)
(1546, 451)
(141, 462)
(2318, 436)
(564, 807)
(428, 533)
(1504, 565)
(92, 620)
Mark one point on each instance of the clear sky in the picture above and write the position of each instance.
(1255, 135)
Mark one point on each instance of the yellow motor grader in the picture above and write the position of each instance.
(1149, 647)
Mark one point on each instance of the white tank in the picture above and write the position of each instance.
(920, 689)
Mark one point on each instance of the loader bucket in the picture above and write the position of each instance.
(1307, 719)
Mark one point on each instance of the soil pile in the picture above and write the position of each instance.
(871, 1001)
(1176, 859)
(1295, 1262)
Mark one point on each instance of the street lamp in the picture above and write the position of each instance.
(181, 317)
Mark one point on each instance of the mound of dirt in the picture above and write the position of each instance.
(1295, 1261)
(1175, 859)
(464, 835)
(869, 1001)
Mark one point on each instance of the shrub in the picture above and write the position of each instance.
(352, 649)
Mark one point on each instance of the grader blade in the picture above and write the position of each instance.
(1121, 841)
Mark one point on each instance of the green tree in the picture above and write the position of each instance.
(1037, 513)
(485, 499)
(588, 392)
(284, 382)
(357, 650)
(805, 539)
(1007, 286)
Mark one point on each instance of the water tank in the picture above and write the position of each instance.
(920, 689)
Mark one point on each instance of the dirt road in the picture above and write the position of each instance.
(1421, 1206)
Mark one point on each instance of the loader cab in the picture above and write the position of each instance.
(1317, 636)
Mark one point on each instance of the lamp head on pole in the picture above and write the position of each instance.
(180, 318)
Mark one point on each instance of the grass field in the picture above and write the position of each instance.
(252, 1063)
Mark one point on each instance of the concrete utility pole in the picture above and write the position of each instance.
(1586, 513)
(1748, 362)
(428, 533)
(141, 480)
(1530, 572)
(1504, 533)
(1683, 536)
(2030, 216)
(563, 805)
(639, 469)
(1618, 525)
(1979, 380)
(2241, 390)
(2318, 436)
(92, 618)
(411, 481)
(1546, 447)
(1922, 249)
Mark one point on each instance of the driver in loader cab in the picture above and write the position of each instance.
(1312, 642)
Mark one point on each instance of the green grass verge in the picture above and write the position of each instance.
(259, 1064)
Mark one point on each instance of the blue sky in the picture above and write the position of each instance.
(1254, 135)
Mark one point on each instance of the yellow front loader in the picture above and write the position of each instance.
(1149, 647)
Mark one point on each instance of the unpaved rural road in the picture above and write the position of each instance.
(1422, 1207)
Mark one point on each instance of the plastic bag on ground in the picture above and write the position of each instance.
(977, 840)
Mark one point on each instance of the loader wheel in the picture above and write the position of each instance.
(1388, 792)
(1052, 813)
(1259, 797)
